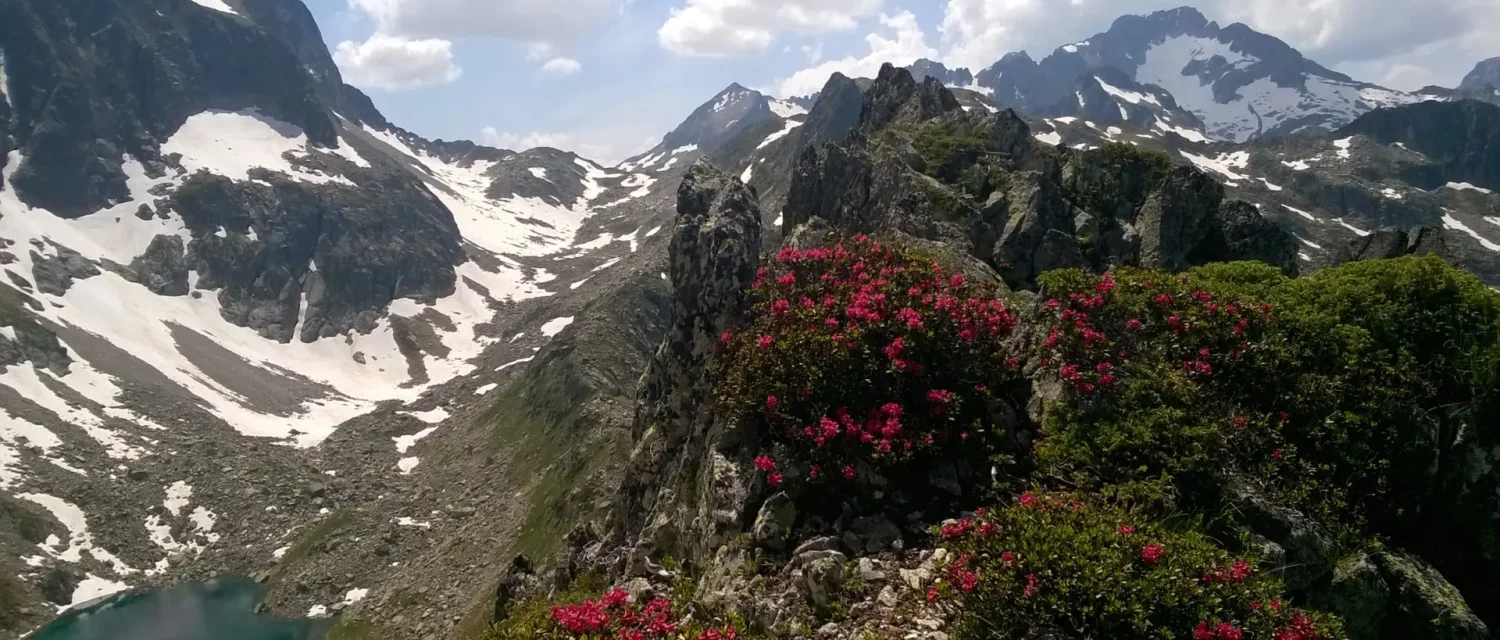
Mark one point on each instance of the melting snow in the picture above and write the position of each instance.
(1269, 185)
(355, 595)
(1126, 95)
(317, 611)
(486, 389)
(1066, 119)
(217, 5)
(784, 109)
(1224, 165)
(1191, 135)
(177, 497)
(27, 382)
(653, 231)
(4, 82)
(404, 443)
(1299, 165)
(1343, 146)
(412, 522)
(280, 551)
(405, 465)
(1452, 223)
(1464, 186)
(1392, 194)
(538, 172)
(1308, 242)
(232, 143)
(555, 326)
(92, 587)
(1357, 231)
(1051, 137)
(80, 541)
(786, 129)
(514, 363)
(749, 171)
(1300, 212)
(433, 416)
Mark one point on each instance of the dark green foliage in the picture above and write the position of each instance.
(1089, 567)
(1361, 377)
(941, 148)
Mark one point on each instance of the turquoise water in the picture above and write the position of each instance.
(222, 609)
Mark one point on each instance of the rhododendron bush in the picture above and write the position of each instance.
(611, 616)
(1091, 567)
(863, 356)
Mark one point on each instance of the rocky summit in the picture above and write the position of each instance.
(1174, 333)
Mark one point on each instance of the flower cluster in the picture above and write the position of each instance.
(863, 354)
(1101, 324)
(612, 615)
(1109, 570)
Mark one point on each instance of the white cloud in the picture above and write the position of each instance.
(606, 148)
(906, 46)
(523, 20)
(1365, 38)
(562, 66)
(744, 27)
(394, 63)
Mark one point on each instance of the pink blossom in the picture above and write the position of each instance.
(764, 341)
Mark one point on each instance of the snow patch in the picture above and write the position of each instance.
(1300, 212)
(486, 389)
(1357, 231)
(217, 5)
(405, 465)
(556, 325)
(1066, 119)
(317, 611)
(749, 171)
(231, 143)
(1124, 94)
(1270, 186)
(514, 363)
(280, 551)
(786, 129)
(1051, 137)
(1464, 186)
(1453, 224)
(355, 595)
(1224, 164)
(404, 443)
(1392, 194)
(1343, 146)
(433, 416)
(784, 109)
(538, 172)
(412, 522)
(1298, 165)
(92, 587)
(1307, 242)
(80, 541)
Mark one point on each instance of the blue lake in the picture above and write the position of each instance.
(221, 609)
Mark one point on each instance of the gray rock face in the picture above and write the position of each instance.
(1247, 235)
(55, 273)
(1038, 235)
(72, 129)
(822, 580)
(1177, 218)
(896, 98)
(690, 474)
(1461, 138)
(1423, 605)
(163, 267)
(1309, 549)
(1485, 75)
(351, 251)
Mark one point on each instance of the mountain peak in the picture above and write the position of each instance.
(1485, 74)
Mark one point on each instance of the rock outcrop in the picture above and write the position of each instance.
(688, 484)
(921, 167)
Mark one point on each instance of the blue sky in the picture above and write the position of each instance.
(607, 77)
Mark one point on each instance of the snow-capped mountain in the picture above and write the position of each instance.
(1239, 83)
(717, 122)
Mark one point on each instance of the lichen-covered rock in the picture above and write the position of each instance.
(690, 469)
(1037, 233)
(1177, 217)
(822, 579)
(1310, 551)
(163, 267)
(1423, 605)
(774, 522)
(1244, 234)
(519, 581)
(1358, 594)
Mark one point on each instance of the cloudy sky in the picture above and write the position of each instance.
(607, 78)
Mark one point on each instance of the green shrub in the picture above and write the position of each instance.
(587, 611)
(1336, 392)
(865, 356)
(1088, 567)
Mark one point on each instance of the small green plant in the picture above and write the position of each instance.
(1087, 566)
